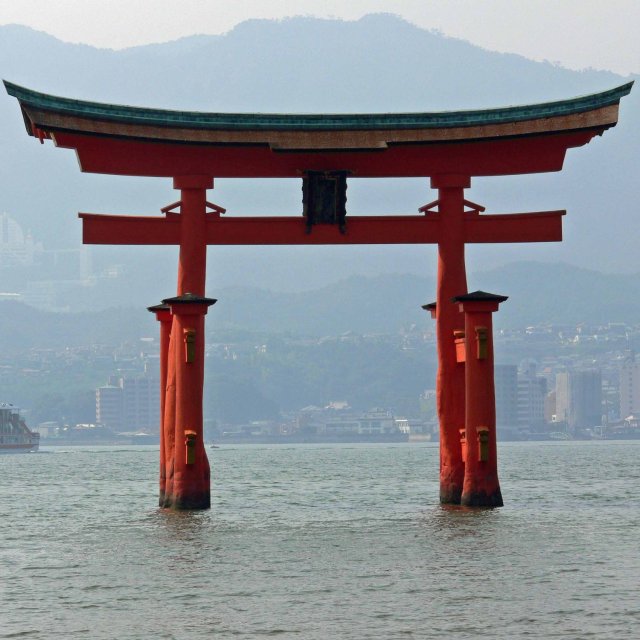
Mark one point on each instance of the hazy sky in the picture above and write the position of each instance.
(603, 34)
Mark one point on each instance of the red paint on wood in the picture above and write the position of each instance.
(190, 488)
(192, 266)
(189, 484)
(169, 420)
(505, 156)
(166, 319)
(481, 486)
(450, 391)
(544, 226)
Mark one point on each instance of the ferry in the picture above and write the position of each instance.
(15, 436)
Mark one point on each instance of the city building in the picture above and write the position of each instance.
(16, 247)
(129, 403)
(579, 398)
(532, 392)
(376, 421)
(506, 390)
(629, 387)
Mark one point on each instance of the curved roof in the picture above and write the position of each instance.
(313, 122)
(126, 140)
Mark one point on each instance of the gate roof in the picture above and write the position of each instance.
(128, 140)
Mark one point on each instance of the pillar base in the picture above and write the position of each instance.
(451, 475)
(482, 499)
(450, 493)
(183, 503)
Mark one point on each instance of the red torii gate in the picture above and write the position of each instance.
(449, 147)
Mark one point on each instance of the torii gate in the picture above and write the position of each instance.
(323, 150)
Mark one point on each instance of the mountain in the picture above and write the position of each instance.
(383, 304)
(538, 293)
(560, 294)
(378, 63)
(23, 328)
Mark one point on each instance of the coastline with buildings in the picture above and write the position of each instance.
(551, 382)
(576, 383)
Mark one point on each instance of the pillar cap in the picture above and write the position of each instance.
(159, 307)
(480, 296)
(431, 308)
(189, 298)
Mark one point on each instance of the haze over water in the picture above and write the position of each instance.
(343, 541)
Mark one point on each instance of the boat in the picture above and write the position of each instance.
(15, 436)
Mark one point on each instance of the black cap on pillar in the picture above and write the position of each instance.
(480, 296)
(158, 307)
(431, 308)
(189, 298)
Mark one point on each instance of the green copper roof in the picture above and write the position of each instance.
(311, 122)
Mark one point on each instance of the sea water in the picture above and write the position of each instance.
(321, 541)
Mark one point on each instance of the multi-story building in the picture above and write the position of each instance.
(506, 389)
(630, 387)
(129, 403)
(579, 398)
(109, 407)
(16, 247)
(532, 391)
(376, 421)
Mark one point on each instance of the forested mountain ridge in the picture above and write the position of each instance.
(386, 304)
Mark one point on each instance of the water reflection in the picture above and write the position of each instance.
(184, 526)
(450, 521)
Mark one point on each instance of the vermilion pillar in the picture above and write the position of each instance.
(452, 281)
(481, 487)
(187, 468)
(188, 482)
(192, 268)
(164, 317)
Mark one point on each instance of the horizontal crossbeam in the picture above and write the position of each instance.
(544, 226)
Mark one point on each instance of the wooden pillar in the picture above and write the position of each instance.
(164, 317)
(190, 475)
(192, 268)
(452, 281)
(187, 466)
(169, 419)
(481, 487)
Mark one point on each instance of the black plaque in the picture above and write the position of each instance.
(324, 198)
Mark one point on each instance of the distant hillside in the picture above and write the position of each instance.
(384, 304)
(538, 293)
(22, 328)
(378, 63)
(561, 293)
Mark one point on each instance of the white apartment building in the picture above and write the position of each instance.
(630, 388)
(129, 403)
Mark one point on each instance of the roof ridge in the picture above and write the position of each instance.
(315, 121)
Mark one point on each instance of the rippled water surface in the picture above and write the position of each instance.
(333, 541)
